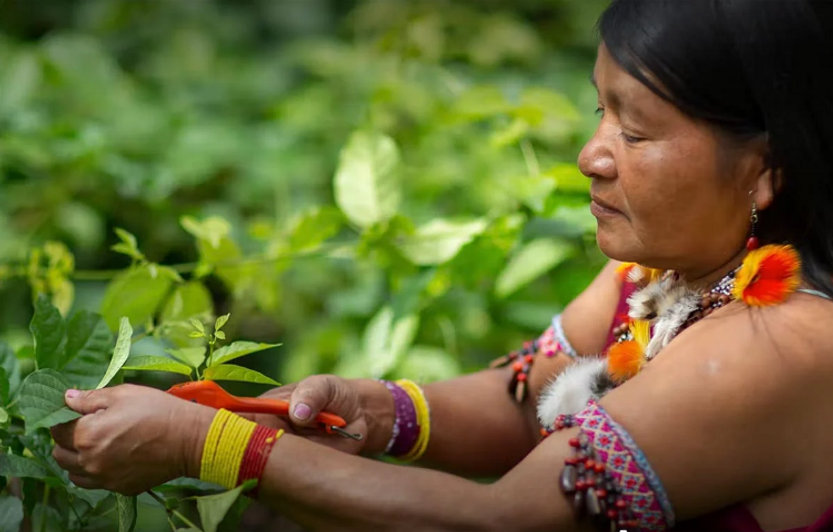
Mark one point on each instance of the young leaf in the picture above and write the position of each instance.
(154, 363)
(236, 350)
(11, 513)
(314, 227)
(87, 353)
(128, 245)
(21, 467)
(229, 372)
(134, 294)
(4, 416)
(532, 261)
(9, 362)
(198, 325)
(220, 334)
(48, 329)
(367, 188)
(42, 400)
(193, 356)
(126, 510)
(221, 321)
(120, 353)
(213, 508)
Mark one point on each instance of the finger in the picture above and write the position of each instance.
(68, 460)
(90, 401)
(83, 481)
(283, 392)
(64, 434)
(311, 396)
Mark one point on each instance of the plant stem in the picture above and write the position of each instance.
(175, 513)
(45, 503)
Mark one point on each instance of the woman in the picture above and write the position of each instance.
(715, 142)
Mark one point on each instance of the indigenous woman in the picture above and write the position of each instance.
(688, 387)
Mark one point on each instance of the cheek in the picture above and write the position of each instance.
(671, 192)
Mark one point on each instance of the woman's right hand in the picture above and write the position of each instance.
(366, 406)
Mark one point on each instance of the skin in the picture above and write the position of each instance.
(677, 198)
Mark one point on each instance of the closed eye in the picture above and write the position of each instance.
(630, 139)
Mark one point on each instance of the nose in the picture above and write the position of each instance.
(596, 158)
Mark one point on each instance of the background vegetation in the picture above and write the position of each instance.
(385, 188)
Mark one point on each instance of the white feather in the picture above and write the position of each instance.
(571, 390)
(675, 310)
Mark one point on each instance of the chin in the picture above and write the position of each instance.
(617, 246)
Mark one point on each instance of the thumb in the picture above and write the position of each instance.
(89, 401)
(311, 396)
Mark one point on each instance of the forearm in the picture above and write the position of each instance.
(477, 429)
(323, 489)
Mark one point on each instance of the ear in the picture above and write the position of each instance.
(766, 186)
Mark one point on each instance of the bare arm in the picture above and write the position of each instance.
(697, 413)
(466, 411)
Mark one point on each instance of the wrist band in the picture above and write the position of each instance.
(412, 425)
(235, 450)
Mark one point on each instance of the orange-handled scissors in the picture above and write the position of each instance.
(209, 393)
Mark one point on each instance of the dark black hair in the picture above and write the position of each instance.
(750, 68)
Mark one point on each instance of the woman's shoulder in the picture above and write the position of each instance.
(791, 338)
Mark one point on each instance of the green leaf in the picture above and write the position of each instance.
(48, 329)
(47, 518)
(198, 325)
(229, 372)
(128, 245)
(213, 508)
(92, 497)
(212, 230)
(9, 362)
(188, 300)
(120, 353)
(533, 260)
(87, 353)
(386, 339)
(11, 514)
(569, 179)
(189, 484)
(193, 356)
(367, 187)
(220, 334)
(221, 321)
(155, 363)
(42, 400)
(313, 228)
(426, 364)
(21, 467)
(135, 294)
(4, 416)
(481, 102)
(4, 388)
(237, 350)
(440, 240)
(196, 334)
(126, 510)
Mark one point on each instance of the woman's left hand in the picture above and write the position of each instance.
(130, 438)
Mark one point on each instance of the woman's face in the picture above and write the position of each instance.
(668, 191)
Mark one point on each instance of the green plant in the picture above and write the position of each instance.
(391, 196)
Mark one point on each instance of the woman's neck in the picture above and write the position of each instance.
(701, 279)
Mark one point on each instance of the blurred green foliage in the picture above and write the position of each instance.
(385, 187)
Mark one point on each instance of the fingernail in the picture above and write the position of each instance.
(72, 394)
(302, 411)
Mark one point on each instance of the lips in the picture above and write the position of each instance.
(604, 205)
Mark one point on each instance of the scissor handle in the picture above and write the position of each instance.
(209, 393)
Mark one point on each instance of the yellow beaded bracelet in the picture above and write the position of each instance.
(224, 447)
(423, 420)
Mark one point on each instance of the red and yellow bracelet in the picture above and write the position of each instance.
(235, 450)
